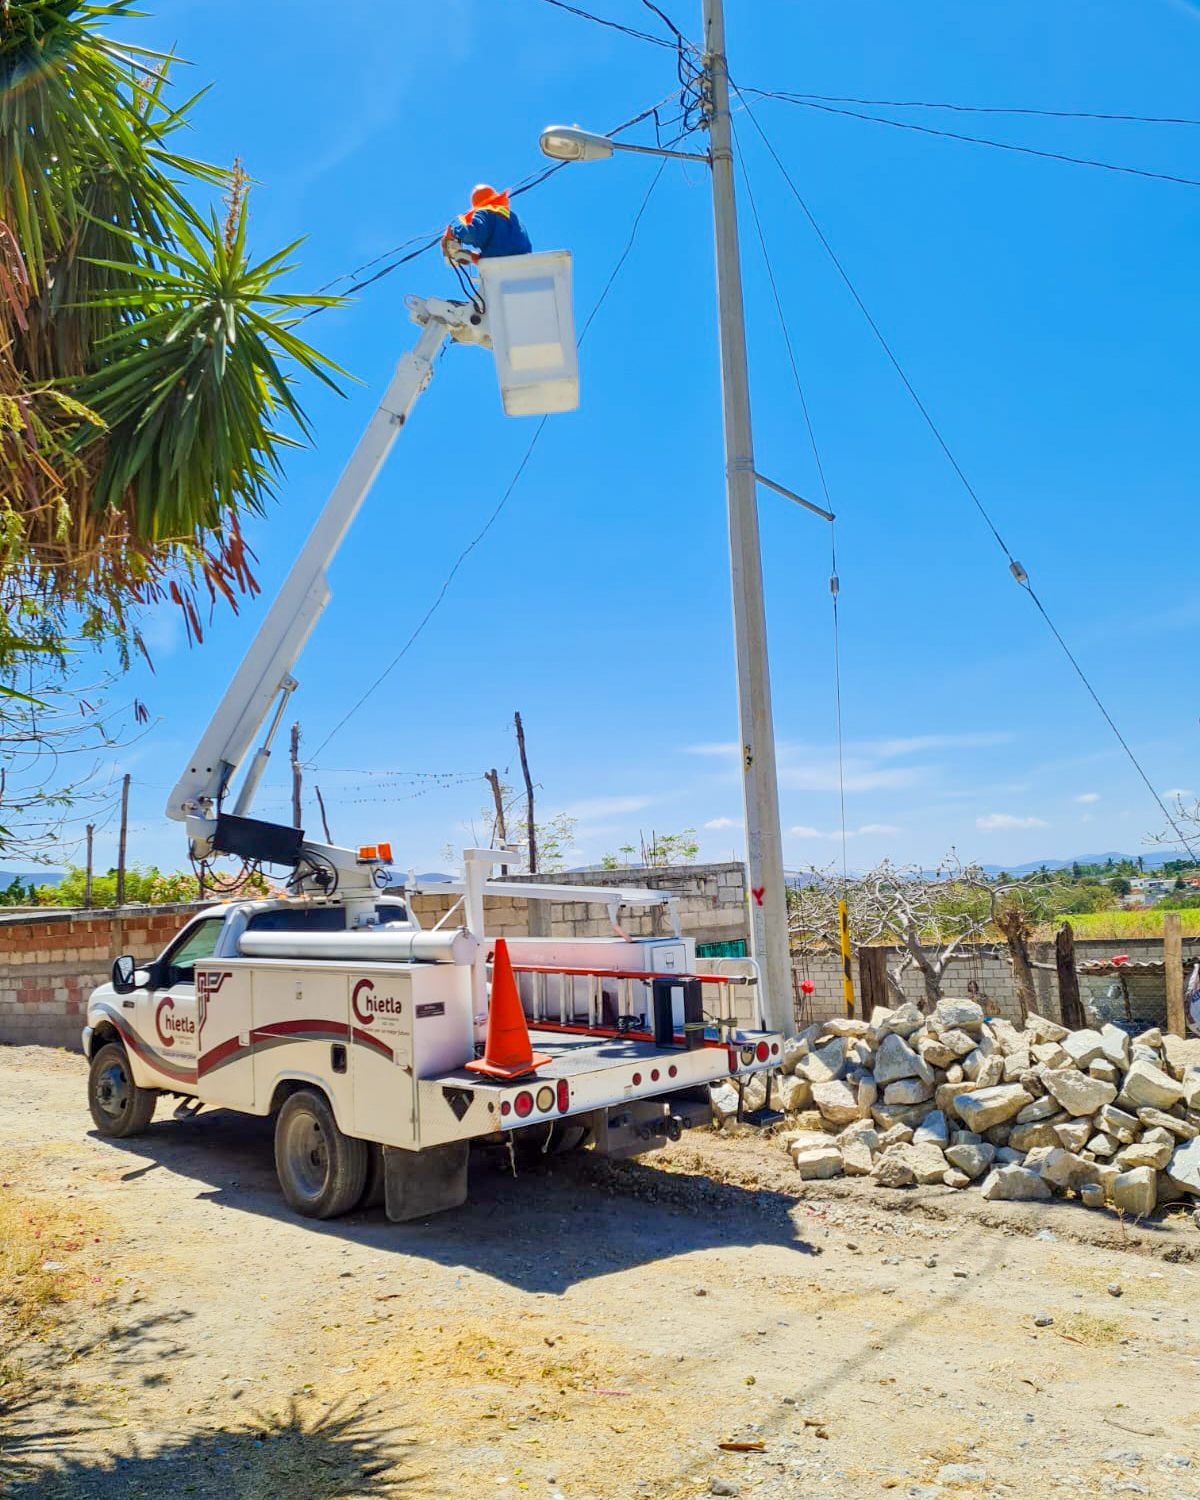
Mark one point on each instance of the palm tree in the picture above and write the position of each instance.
(145, 359)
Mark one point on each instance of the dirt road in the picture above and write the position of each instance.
(584, 1331)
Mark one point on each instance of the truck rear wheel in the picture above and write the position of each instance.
(321, 1171)
(119, 1107)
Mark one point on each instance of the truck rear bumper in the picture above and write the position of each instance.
(583, 1074)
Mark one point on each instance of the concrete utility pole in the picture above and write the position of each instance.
(121, 841)
(764, 845)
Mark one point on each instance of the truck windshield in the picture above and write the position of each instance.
(198, 943)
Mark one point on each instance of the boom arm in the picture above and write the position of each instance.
(266, 671)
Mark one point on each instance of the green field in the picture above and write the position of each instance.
(1123, 924)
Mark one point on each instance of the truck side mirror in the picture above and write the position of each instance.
(124, 974)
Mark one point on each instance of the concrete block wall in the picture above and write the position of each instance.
(49, 963)
(986, 967)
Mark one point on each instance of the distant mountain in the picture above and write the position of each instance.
(33, 877)
(1151, 860)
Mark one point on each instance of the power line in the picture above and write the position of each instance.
(1015, 567)
(978, 140)
(977, 109)
(632, 31)
(512, 484)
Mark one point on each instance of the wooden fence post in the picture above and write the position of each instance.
(1173, 967)
(1070, 1005)
(872, 973)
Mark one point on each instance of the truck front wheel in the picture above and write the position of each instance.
(119, 1107)
(321, 1171)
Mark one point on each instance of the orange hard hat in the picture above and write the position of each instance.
(482, 195)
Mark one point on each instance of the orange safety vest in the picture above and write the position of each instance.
(498, 204)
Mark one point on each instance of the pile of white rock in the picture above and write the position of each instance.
(956, 1099)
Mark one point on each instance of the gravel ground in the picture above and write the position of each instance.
(585, 1331)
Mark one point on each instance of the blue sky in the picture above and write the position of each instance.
(1047, 313)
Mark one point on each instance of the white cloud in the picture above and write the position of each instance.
(1088, 797)
(724, 749)
(887, 749)
(804, 832)
(1178, 792)
(603, 807)
(1007, 820)
(723, 823)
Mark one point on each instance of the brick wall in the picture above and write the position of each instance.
(49, 963)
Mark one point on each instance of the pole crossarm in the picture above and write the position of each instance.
(817, 510)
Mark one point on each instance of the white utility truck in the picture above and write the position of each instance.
(333, 1009)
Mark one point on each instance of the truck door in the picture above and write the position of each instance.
(166, 1016)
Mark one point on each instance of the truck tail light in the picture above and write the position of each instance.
(523, 1103)
(733, 1060)
(564, 1096)
(762, 1051)
(545, 1098)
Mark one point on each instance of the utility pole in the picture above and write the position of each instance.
(87, 879)
(500, 828)
(528, 794)
(764, 844)
(121, 844)
(296, 775)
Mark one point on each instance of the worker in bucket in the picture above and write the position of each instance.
(488, 228)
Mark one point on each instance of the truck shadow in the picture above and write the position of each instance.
(560, 1221)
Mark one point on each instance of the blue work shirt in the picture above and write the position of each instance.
(493, 232)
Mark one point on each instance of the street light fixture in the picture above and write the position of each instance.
(767, 896)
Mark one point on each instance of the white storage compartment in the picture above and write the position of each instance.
(532, 327)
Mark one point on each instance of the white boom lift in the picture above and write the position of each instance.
(334, 1010)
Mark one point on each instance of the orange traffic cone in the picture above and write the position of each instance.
(507, 1053)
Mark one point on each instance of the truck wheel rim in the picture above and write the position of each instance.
(307, 1154)
(112, 1091)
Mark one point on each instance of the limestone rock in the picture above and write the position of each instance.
(797, 1047)
(879, 1015)
(1066, 1169)
(997, 1135)
(1116, 1122)
(836, 1100)
(1015, 1063)
(1135, 1192)
(956, 1015)
(966, 1138)
(1092, 1195)
(1031, 1082)
(1007, 1156)
(907, 1091)
(815, 1163)
(857, 1160)
(1105, 1070)
(1007, 1037)
(955, 1179)
(927, 1163)
(1116, 1044)
(824, 1063)
(1073, 1134)
(1144, 1154)
(1184, 1167)
(1148, 1086)
(794, 1094)
(755, 1092)
(846, 1026)
(887, 1115)
(1163, 1137)
(1083, 1047)
(934, 1053)
(724, 1099)
(973, 1160)
(933, 1130)
(1042, 1029)
(898, 1135)
(902, 1022)
(1034, 1135)
(1014, 1184)
(893, 1171)
(1190, 1083)
(981, 1108)
(954, 1073)
(1102, 1144)
(1153, 1037)
(1160, 1119)
(895, 1059)
(1040, 1109)
(1181, 1053)
(1077, 1093)
(1051, 1055)
(867, 1093)
(990, 1071)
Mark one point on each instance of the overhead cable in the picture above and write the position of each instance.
(977, 109)
(1015, 567)
(978, 140)
(512, 484)
(641, 36)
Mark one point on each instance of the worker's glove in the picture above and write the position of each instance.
(457, 254)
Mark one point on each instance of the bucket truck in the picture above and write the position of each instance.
(333, 1009)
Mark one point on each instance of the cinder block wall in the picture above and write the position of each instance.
(49, 963)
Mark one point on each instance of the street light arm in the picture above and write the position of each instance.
(570, 143)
